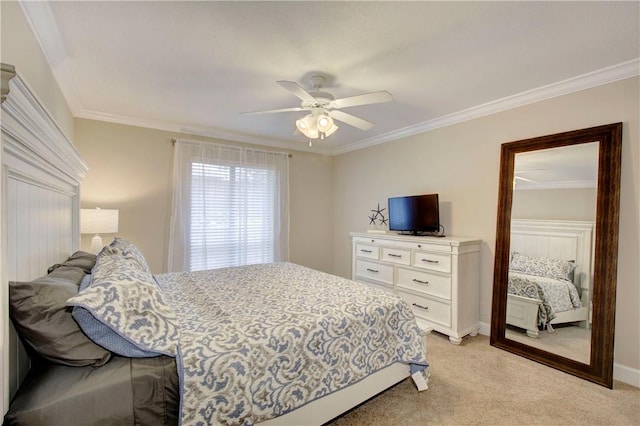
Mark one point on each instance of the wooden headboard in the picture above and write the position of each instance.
(39, 206)
(567, 240)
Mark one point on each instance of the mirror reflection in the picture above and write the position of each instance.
(550, 276)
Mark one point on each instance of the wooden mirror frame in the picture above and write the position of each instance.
(600, 367)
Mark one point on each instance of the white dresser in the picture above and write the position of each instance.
(438, 277)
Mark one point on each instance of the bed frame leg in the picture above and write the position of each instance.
(421, 379)
(534, 334)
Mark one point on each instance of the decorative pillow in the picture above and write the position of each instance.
(128, 250)
(39, 312)
(542, 266)
(79, 259)
(123, 310)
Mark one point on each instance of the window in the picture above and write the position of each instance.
(231, 216)
(230, 207)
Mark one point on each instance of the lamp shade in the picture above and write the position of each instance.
(98, 221)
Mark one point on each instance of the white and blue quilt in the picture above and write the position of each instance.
(256, 342)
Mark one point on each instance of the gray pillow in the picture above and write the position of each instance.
(39, 312)
(79, 259)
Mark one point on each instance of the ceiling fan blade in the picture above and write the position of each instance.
(351, 120)
(365, 99)
(297, 90)
(268, 111)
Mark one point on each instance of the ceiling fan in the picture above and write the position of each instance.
(324, 108)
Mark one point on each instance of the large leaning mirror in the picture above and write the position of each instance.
(556, 250)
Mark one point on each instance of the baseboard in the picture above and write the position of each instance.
(485, 329)
(621, 372)
(625, 374)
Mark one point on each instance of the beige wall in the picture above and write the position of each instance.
(460, 162)
(20, 49)
(558, 204)
(130, 169)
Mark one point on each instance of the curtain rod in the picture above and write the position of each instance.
(174, 140)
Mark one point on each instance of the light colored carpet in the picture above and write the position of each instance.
(477, 384)
(568, 341)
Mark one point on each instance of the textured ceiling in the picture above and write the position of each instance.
(195, 66)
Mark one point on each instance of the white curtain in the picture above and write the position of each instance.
(230, 206)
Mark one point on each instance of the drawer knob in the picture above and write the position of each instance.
(372, 270)
(426, 308)
(415, 280)
(435, 262)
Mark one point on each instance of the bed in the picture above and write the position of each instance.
(165, 368)
(549, 274)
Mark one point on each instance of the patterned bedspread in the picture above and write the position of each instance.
(259, 341)
(556, 295)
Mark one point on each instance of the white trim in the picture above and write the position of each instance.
(572, 184)
(43, 25)
(31, 134)
(626, 375)
(485, 329)
(581, 82)
(191, 130)
(35, 152)
(604, 76)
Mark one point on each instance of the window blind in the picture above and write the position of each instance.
(230, 206)
(232, 219)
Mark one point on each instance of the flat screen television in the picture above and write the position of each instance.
(417, 214)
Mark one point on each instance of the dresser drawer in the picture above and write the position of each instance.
(368, 251)
(374, 271)
(395, 255)
(433, 261)
(425, 282)
(435, 247)
(428, 309)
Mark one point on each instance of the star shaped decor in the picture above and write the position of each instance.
(378, 215)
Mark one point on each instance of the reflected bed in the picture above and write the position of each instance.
(550, 274)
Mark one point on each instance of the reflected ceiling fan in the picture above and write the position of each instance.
(324, 108)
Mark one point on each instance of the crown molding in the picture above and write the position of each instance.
(43, 25)
(203, 131)
(42, 22)
(585, 81)
(575, 84)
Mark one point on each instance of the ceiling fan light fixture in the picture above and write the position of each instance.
(331, 130)
(325, 108)
(301, 125)
(312, 133)
(307, 126)
(325, 123)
